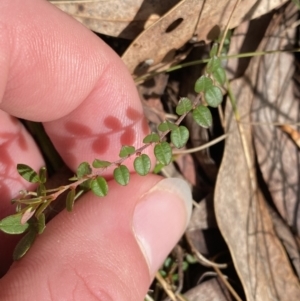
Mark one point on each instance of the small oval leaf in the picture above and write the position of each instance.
(184, 106)
(86, 185)
(24, 244)
(41, 223)
(142, 164)
(12, 224)
(202, 84)
(202, 116)
(70, 200)
(180, 136)
(122, 175)
(163, 153)
(219, 75)
(213, 96)
(100, 164)
(83, 169)
(28, 173)
(153, 137)
(43, 175)
(99, 186)
(214, 50)
(41, 190)
(166, 126)
(213, 64)
(126, 151)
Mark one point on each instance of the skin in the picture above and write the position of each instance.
(55, 71)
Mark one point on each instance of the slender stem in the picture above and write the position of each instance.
(201, 147)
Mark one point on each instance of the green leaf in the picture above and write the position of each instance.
(70, 200)
(203, 83)
(219, 75)
(180, 136)
(202, 116)
(190, 258)
(100, 164)
(83, 169)
(158, 167)
(86, 185)
(12, 224)
(28, 173)
(166, 126)
(24, 244)
(41, 190)
(153, 137)
(213, 64)
(42, 208)
(126, 151)
(213, 96)
(163, 153)
(99, 186)
(122, 175)
(43, 175)
(214, 50)
(184, 106)
(142, 164)
(41, 223)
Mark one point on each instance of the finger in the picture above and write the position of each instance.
(16, 146)
(60, 73)
(107, 249)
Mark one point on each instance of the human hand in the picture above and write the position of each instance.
(55, 71)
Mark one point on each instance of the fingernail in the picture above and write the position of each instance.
(160, 218)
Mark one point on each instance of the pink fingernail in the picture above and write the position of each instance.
(160, 218)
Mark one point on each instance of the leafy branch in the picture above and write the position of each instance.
(31, 205)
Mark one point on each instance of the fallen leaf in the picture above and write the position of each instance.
(275, 102)
(189, 19)
(210, 290)
(243, 218)
(124, 19)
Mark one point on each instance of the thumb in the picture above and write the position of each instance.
(107, 248)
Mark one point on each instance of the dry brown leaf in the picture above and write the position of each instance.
(244, 221)
(288, 240)
(241, 212)
(210, 290)
(124, 19)
(200, 20)
(274, 101)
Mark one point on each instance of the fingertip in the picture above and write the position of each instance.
(94, 252)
